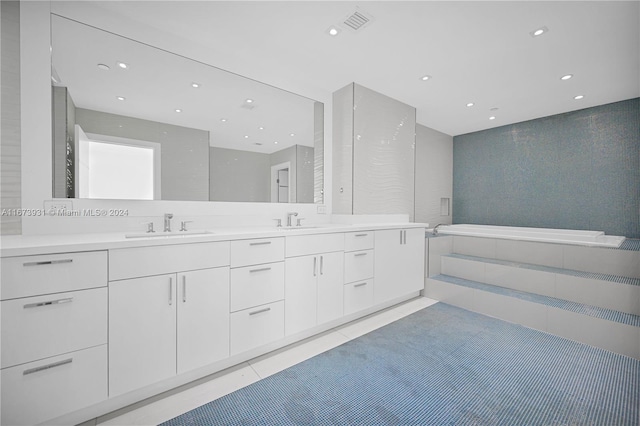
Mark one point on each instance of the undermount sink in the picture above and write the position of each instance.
(167, 234)
(293, 228)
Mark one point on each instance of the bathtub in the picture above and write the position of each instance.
(547, 235)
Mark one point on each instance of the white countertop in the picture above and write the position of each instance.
(22, 245)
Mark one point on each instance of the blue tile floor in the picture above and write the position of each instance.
(441, 366)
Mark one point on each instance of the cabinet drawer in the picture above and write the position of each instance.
(43, 326)
(26, 276)
(254, 252)
(256, 326)
(302, 245)
(358, 265)
(256, 285)
(362, 240)
(358, 296)
(36, 392)
(158, 260)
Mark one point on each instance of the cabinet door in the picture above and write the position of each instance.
(300, 289)
(142, 332)
(330, 286)
(413, 260)
(203, 317)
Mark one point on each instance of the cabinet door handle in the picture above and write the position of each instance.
(321, 265)
(315, 266)
(48, 262)
(48, 303)
(259, 311)
(261, 243)
(400, 237)
(361, 235)
(170, 291)
(360, 254)
(360, 285)
(48, 366)
(259, 270)
(184, 289)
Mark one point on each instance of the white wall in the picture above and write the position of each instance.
(36, 128)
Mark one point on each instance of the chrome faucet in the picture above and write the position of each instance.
(435, 228)
(167, 222)
(289, 215)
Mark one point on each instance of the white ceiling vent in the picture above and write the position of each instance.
(357, 20)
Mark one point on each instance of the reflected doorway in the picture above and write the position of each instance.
(280, 183)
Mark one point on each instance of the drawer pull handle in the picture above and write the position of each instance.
(48, 366)
(315, 266)
(321, 265)
(170, 291)
(259, 270)
(48, 303)
(361, 235)
(261, 243)
(259, 311)
(48, 262)
(360, 254)
(360, 285)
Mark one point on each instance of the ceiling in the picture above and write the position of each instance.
(480, 52)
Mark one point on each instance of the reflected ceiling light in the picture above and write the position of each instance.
(224, 120)
(246, 136)
(122, 65)
(470, 104)
(425, 77)
(178, 110)
(120, 98)
(492, 117)
(104, 67)
(566, 77)
(292, 134)
(539, 31)
(249, 101)
(275, 142)
(578, 97)
(260, 128)
(195, 85)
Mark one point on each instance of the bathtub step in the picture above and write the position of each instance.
(601, 327)
(607, 291)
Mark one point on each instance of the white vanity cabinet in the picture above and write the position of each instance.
(358, 271)
(257, 293)
(399, 263)
(314, 278)
(54, 335)
(162, 324)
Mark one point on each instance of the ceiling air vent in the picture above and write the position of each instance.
(357, 20)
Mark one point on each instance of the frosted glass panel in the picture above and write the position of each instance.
(383, 154)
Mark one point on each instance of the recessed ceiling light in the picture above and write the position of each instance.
(566, 77)
(249, 101)
(260, 128)
(492, 118)
(246, 136)
(425, 77)
(120, 98)
(178, 110)
(195, 85)
(470, 104)
(578, 97)
(104, 67)
(539, 31)
(333, 31)
(123, 65)
(292, 134)
(275, 142)
(224, 120)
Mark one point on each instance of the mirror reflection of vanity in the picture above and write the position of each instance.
(132, 121)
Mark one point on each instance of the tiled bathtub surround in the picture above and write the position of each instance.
(578, 170)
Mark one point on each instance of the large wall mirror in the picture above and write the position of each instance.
(131, 121)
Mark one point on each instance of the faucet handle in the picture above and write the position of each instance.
(278, 223)
(298, 221)
(149, 227)
(183, 225)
